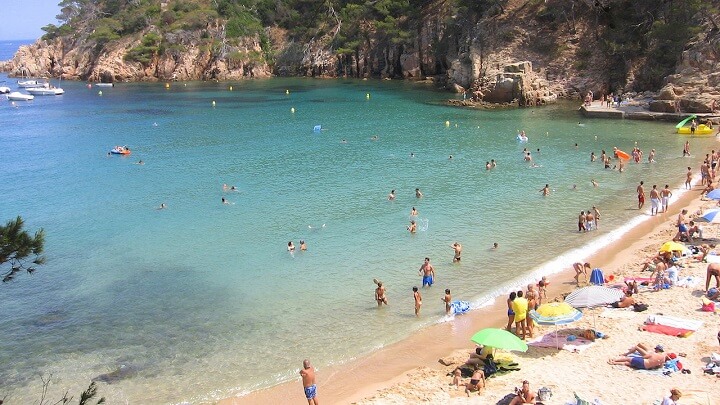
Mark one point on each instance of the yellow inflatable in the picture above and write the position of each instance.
(701, 129)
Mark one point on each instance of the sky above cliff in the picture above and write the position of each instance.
(22, 19)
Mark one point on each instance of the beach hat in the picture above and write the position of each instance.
(659, 348)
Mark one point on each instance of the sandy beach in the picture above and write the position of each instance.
(410, 371)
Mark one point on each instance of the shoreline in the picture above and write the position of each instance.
(391, 365)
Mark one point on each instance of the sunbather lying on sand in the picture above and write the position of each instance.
(477, 381)
(648, 361)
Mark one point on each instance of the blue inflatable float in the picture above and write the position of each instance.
(459, 307)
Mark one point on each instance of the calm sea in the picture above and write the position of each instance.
(201, 300)
(9, 47)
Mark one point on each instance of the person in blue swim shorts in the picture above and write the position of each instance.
(428, 272)
(308, 380)
(645, 360)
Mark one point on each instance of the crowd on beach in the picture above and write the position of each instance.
(666, 269)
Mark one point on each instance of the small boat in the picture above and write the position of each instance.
(17, 96)
(120, 150)
(4, 89)
(26, 84)
(45, 91)
(105, 84)
(701, 129)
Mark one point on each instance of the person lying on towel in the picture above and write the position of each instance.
(647, 360)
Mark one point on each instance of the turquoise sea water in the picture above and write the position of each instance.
(201, 300)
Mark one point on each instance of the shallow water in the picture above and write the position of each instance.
(201, 300)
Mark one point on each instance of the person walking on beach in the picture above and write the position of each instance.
(654, 200)
(308, 381)
(641, 195)
(380, 294)
(447, 299)
(665, 195)
(688, 179)
(418, 300)
(457, 248)
(428, 272)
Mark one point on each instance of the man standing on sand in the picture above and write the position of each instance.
(458, 251)
(418, 300)
(682, 227)
(428, 272)
(308, 380)
(654, 200)
(665, 195)
(641, 195)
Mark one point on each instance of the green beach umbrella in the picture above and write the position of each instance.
(499, 339)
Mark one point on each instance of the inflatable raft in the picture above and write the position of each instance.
(119, 150)
(459, 307)
(701, 129)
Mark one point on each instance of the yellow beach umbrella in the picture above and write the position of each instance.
(672, 247)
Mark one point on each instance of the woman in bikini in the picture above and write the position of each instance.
(510, 312)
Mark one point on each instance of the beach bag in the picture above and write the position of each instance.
(707, 305)
(640, 307)
(544, 394)
(489, 368)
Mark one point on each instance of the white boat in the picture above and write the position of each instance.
(4, 89)
(17, 96)
(105, 84)
(26, 84)
(45, 91)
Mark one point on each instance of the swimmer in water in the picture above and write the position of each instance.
(162, 206)
(343, 141)
(545, 190)
(391, 196)
(412, 228)
(450, 158)
(224, 201)
(140, 162)
(412, 154)
(594, 183)
(374, 138)
(290, 247)
(418, 194)
(493, 163)
(495, 245)
(457, 248)
(303, 246)
(413, 212)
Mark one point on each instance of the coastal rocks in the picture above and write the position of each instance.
(518, 83)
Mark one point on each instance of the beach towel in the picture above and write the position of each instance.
(548, 340)
(667, 330)
(688, 282)
(675, 322)
(712, 259)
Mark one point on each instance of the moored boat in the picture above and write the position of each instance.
(45, 91)
(104, 84)
(26, 84)
(17, 96)
(4, 89)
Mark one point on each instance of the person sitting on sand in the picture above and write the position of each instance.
(457, 378)
(627, 300)
(646, 361)
(523, 395)
(478, 357)
(477, 381)
(632, 286)
(675, 395)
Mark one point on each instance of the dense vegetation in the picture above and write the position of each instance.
(368, 35)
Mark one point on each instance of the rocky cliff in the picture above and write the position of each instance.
(527, 52)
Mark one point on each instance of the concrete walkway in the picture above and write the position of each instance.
(635, 111)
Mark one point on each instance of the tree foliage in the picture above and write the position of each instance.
(18, 247)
